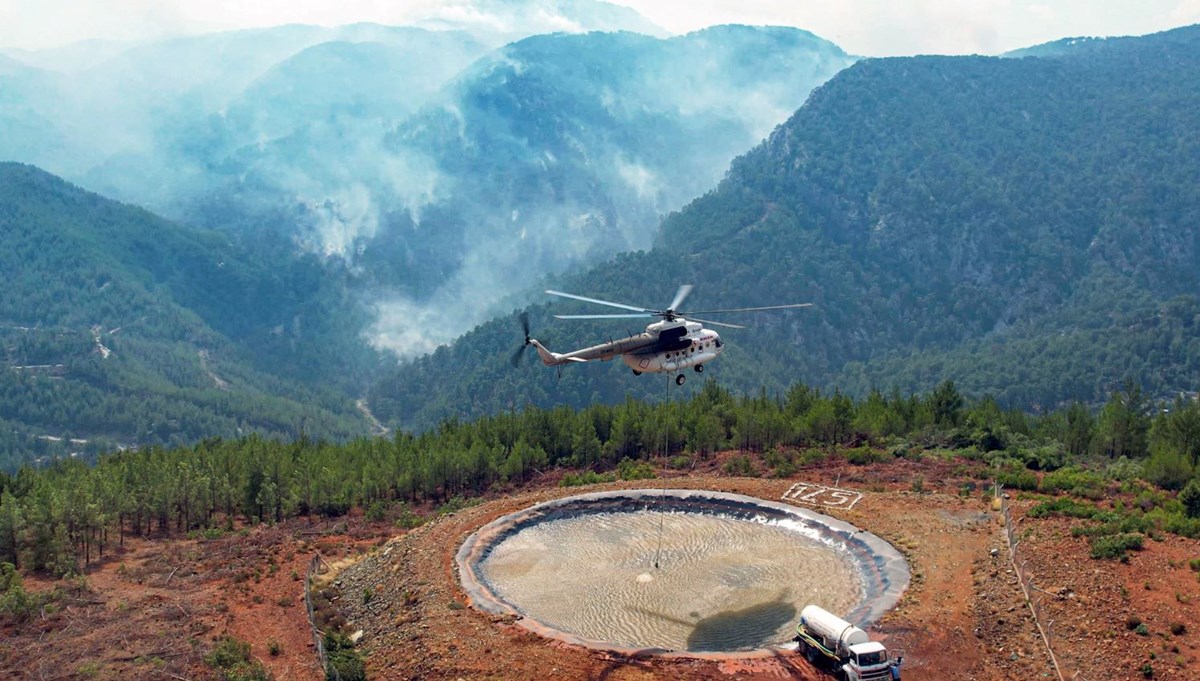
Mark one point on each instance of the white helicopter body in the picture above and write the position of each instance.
(661, 349)
(667, 346)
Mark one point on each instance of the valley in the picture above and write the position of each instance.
(1052, 269)
(265, 290)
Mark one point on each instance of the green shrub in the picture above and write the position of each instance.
(628, 469)
(455, 504)
(377, 511)
(1149, 499)
(1116, 545)
(1190, 498)
(807, 457)
(1112, 522)
(679, 462)
(1044, 457)
(1124, 469)
(784, 470)
(1182, 526)
(740, 465)
(231, 657)
(1142, 630)
(16, 603)
(1064, 506)
(344, 662)
(1017, 479)
(407, 520)
(862, 456)
(586, 478)
(345, 665)
(1168, 469)
(1072, 480)
(208, 533)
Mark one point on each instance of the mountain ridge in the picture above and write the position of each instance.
(120, 328)
(924, 205)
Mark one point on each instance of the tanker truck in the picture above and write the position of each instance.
(831, 642)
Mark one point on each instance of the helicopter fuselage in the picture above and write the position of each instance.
(669, 346)
(665, 347)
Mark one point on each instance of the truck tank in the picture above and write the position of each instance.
(835, 631)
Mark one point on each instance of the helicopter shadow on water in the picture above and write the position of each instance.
(731, 630)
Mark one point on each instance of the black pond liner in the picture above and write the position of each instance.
(881, 568)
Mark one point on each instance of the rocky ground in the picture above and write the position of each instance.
(1095, 606)
(153, 609)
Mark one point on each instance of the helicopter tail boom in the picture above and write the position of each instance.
(550, 358)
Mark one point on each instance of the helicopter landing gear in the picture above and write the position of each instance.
(680, 379)
(699, 368)
(636, 372)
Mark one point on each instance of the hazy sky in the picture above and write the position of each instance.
(865, 27)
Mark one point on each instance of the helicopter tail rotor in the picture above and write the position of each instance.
(520, 353)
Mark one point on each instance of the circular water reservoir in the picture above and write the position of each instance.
(682, 571)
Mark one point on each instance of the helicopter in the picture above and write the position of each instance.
(671, 345)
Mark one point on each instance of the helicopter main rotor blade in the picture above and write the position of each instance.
(750, 309)
(598, 301)
(709, 321)
(642, 315)
(680, 295)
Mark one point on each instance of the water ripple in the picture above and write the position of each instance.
(722, 583)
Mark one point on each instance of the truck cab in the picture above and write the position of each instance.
(843, 649)
(868, 662)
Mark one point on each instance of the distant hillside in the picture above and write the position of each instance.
(549, 153)
(120, 328)
(1027, 227)
(432, 164)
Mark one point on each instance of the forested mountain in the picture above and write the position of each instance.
(561, 150)
(430, 162)
(120, 328)
(1028, 227)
